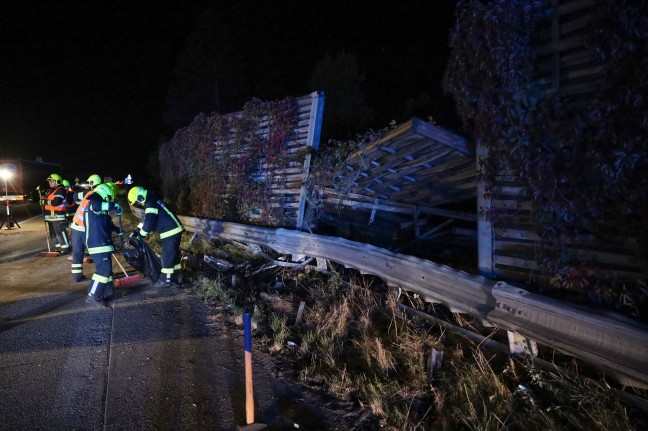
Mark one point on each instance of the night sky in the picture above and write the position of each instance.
(84, 83)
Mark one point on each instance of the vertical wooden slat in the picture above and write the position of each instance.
(314, 130)
(484, 226)
(555, 38)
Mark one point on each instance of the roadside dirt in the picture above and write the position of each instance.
(305, 405)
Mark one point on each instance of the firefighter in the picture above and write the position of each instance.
(158, 218)
(93, 181)
(99, 228)
(71, 204)
(115, 189)
(78, 237)
(55, 209)
(77, 229)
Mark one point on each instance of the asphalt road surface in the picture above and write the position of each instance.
(152, 360)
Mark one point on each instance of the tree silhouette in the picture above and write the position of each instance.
(345, 111)
(237, 52)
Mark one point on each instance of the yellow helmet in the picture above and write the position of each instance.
(105, 192)
(115, 189)
(66, 184)
(94, 180)
(137, 195)
(55, 177)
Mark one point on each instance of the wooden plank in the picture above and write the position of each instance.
(577, 59)
(445, 137)
(369, 206)
(519, 268)
(566, 44)
(330, 196)
(568, 7)
(564, 27)
(581, 252)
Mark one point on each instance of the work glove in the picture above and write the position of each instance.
(118, 209)
(136, 234)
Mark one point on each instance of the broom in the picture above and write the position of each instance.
(127, 278)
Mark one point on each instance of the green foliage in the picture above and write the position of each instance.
(222, 167)
(582, 162)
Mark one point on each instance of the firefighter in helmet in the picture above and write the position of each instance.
(77, 228)
(55, 209)
(159, 218)
(99, 229)
(70, 202)
(93, 181)
(115, 189)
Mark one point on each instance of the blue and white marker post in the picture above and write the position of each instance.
(249, 391)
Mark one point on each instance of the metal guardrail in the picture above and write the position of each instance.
(608, 341)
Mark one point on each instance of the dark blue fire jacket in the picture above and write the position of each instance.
(98, 225)
(158, 218)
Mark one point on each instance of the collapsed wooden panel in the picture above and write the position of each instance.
(413, 169)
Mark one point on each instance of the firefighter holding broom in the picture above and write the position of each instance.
(55, 208)
(159, 218)
(99, 229)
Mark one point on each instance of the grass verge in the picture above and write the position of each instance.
(354, 340)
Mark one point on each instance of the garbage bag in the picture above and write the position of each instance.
(132, 254)
(152, 264)
(140, 256)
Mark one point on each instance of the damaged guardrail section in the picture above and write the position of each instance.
(610, 342)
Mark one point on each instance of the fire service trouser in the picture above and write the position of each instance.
(78, 251)
(170, 257)
(101, 285)
(58, 234)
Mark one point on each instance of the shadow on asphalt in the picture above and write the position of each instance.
(50, 306)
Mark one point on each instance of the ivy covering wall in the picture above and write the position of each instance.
(232, 167)
(582, 162)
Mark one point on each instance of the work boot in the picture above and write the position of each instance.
(79, 278)
(95, 300)
(162, 282)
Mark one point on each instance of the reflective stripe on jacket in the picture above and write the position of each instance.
(77, 220)
(98, 225)
(158, 218)
(55, 206)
